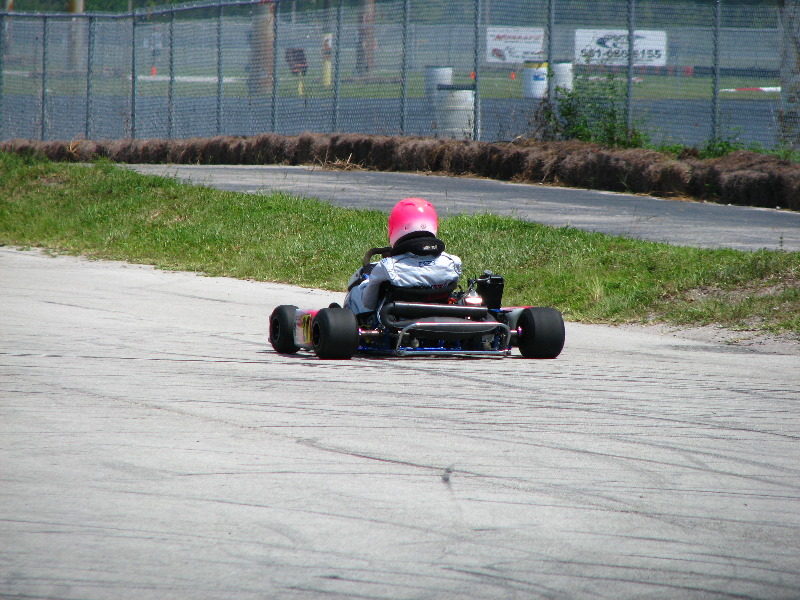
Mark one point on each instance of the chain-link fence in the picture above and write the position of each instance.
(474, 69)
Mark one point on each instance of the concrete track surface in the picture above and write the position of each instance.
(153, 446)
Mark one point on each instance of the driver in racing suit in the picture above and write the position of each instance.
(417, 258)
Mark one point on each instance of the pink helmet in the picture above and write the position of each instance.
(410, 215)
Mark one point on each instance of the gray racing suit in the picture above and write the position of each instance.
(420, 271)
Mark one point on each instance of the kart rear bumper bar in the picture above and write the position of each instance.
(466, 327)
(434, 352)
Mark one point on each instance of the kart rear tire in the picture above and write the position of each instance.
(541, 332)
(281, 330)
(334, 334)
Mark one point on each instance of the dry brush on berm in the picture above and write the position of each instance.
(744, 178)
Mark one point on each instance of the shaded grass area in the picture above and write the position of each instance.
(104, 211)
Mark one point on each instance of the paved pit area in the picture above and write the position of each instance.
(153, 446)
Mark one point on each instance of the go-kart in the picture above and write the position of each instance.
(411, 322)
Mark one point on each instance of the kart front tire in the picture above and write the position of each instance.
(281, 330)
(334, 334)
(541, 332)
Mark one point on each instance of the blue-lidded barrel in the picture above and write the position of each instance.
(534, 81)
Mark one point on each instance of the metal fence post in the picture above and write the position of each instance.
(337, 70)
(404, 77)
(551, 27)
(476, 118)
(89, 75)
(2, 67)
(43, 128)
(171, 83)
(219, 69)
(631, 55)
(715, 98)
(274, 111)
(133, 75)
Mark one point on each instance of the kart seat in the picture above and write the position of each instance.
(439, 295)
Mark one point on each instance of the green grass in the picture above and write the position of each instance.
(104, 211)
(383, 84)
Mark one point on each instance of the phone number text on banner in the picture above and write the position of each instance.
(610, 47)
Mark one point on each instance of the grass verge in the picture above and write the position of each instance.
(103, 211)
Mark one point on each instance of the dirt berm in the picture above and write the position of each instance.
(743, 178)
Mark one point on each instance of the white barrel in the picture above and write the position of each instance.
(435, 76)
(455, 111)
(562, 74)
(534, 82)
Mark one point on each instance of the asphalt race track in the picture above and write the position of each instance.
(153, 446)
(683, 223)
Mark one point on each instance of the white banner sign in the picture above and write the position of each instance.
(514, 44)
(610, 47)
